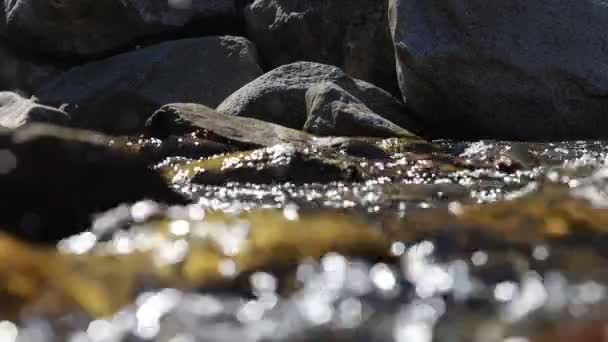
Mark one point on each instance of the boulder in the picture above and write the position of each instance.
(16, 111)
(510, 70)
(279, 95)
(54, 180)
(23, 72)
(332, 111)
(118, 94)
(351, 34)
(183, 118)
(93, 28)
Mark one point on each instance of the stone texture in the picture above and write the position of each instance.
(351, 34)
(93, 27)
(16, 111)
(54, 179)
(512, 69)
(279, 95)
(118, 94)
(183, 118)
(332, 111)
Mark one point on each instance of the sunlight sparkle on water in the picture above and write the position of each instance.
(8, 331)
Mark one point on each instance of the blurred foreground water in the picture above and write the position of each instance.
(481, 241)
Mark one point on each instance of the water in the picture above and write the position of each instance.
(481, 241)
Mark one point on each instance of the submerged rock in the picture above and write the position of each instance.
(513, 70)
(91, 27)
(54, 180)
(118, 94)
(182, 118)
(363, 149)
(278, 164)
(279, 95)
(154, 150)
(333, 111)
(351, 34)
(17, 111)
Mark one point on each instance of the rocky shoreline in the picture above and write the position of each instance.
(303, 170)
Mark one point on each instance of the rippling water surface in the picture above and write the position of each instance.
(480, 241)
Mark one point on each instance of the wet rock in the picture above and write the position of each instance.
(425, 192)
(402, 145)
(16, 111)
(279, 95)
(22, 72)
(55, 179)
(277, 164)
(89, 27)
(352, 35)
(154, 150)
(512, 70)
(333, 111)
(182, 118)
(118, 94)
(506, 156)
(363, 149)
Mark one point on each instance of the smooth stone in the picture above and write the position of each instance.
(279, 95)
(332, 111)
(184, 118)
(118, 94)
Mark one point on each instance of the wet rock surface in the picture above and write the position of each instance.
(352, 35)
(183, 118)
(279, 95)
(16, 111)
(277, 164)
(118, 94)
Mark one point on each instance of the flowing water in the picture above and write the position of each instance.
(477, 241)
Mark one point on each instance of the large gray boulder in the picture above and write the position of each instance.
(93, 27)
(279, 95)
(510, 69)
(118, 94)
(351, 34)
(332, 111)
(16, 111)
